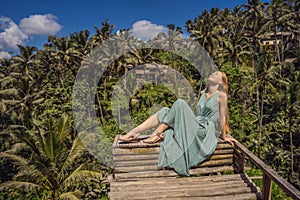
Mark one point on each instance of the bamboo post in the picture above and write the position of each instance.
(242, 167)
(239, 160)
(266, 187)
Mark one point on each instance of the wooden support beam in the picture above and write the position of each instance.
(267, 188)
(239, 161)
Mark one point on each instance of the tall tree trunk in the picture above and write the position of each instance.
(276, 43)
(261, 121)
(119, 112)
(104, 92)
(291, 140)
(55, 195)
(102, 119)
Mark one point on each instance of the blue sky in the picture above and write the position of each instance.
(29, 22)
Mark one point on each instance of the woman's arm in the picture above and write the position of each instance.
(222, 118)
(222, 109)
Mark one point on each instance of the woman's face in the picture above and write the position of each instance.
(216, 77)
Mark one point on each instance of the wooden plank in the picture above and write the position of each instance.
(210, 163)
(244, 196)
(224, 146)
(221, 156)
(167, 180)
(181, 184)
(147, 159)
(169, 173)
(153, 166)
(186, 192)
(136, 168)
(175, 184)
(154, 151)
(121, 151)
(223, 151)
(135, 157)
(220, 149)
(115, 143)
(129, 163)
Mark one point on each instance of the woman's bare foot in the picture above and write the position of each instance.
(157, 135)
(154, 138)
(131, 136)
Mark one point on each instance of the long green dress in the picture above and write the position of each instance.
(190, 139)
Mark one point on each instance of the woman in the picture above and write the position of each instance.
(188, 139)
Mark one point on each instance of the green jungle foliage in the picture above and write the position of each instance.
(42, 156)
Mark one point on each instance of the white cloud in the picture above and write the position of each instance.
(4, 54)
(11, 35)
(40, 25)
(145, 29)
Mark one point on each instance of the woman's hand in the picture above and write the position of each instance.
(230, 140)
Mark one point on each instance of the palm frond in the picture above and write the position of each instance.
(76, 151)
(49, 144)
(16, 75)
(271, 87)
(38, 101)
(81, 175)
(30, 139)
(11, 102)
(19, 184)
(16, 148)
(3, 107)
(53, 140)
(4, 81)
(64, 127)
(18, 160)
(75, 195)
(11, 92)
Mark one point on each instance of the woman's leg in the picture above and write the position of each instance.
(157, 135)
(169, 120)
(151, 122)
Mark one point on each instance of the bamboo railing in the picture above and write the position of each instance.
(269, 175)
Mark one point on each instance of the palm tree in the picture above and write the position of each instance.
(267, 74)
(234, 44)
(64, 57)
(292, 105)
(278, 15)
(51, 165)
(101, 34)
(207, 29)
(21, 93)
(254, 13)
(294, 25)
(80, 41)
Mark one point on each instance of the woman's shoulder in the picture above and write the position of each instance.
(222, 95)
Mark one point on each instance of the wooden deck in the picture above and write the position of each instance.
(136, 176)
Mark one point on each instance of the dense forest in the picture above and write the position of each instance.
(256, 44)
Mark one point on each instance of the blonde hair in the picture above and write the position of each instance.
(224, 88)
